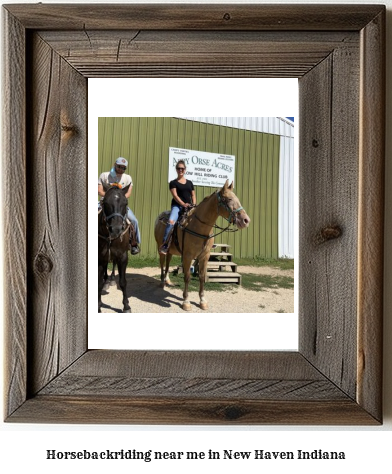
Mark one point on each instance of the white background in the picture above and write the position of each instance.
(23, 447)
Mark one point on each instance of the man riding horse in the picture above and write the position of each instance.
(117, 177)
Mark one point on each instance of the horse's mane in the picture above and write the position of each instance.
(207, 197)
(193, 210)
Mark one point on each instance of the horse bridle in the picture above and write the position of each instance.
(232, 212)
(107, 218)
(231, 219)
(123, 217)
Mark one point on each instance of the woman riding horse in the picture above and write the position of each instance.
(195, 238)
(184, 196)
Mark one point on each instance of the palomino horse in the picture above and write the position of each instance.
(113, 240)
(195, 237)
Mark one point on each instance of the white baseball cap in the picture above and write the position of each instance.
(122, 161)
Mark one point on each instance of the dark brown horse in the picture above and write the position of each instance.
(196, 237)
(113, 240)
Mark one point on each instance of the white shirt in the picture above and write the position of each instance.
(107, 178)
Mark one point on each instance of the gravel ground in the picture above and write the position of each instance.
(146, 296)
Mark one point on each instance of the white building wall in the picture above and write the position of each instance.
(286, 198)
(285, 128)
(274, 125)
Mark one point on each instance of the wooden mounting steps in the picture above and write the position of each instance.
(220, 267)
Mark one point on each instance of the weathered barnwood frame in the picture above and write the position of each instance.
(337, 52)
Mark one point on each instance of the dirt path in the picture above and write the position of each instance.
(146, 296)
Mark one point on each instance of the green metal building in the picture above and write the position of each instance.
(145, 143)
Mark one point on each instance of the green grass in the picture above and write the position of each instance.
(280, 263)
(140, 261)
(250, 282)
(254, 282)
(177, 279)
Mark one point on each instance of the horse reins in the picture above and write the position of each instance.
(230, 219)
(232, 212)
(109, 239)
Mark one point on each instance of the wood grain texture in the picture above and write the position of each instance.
(14, 226)
(208, 375)
(189, 53)
(329, 170)
(335, 378)
(371, 215)
(188, 387)
(107, 410)
(192, 387)
(57, 190)
(194, 17)
(208, 364)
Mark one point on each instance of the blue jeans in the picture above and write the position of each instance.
(174, 213)
(135, 223)
(132, 218)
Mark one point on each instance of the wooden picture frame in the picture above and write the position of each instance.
(338, 54)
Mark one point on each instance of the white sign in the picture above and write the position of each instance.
(203, 168)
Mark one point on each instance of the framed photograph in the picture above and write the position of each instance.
(337, 52)
(251, 278)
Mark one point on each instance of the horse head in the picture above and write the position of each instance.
(229, 206)
(114, 207)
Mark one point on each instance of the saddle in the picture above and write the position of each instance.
(183, 221)
(183, 218)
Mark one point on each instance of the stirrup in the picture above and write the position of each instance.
(135, 249)
(163, 249)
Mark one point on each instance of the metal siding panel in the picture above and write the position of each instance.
(249, 161)
(292, 229)
(286, 198)
(272, 125)
(246, 189)
(131, 146)
(282, 196)
(275, 198)
(107, 157)
(269, 215)
(101, 141)
(164, 193)
(264, 191)
(240, 175)
(257, 194)
(117, 141)
(146, 177)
